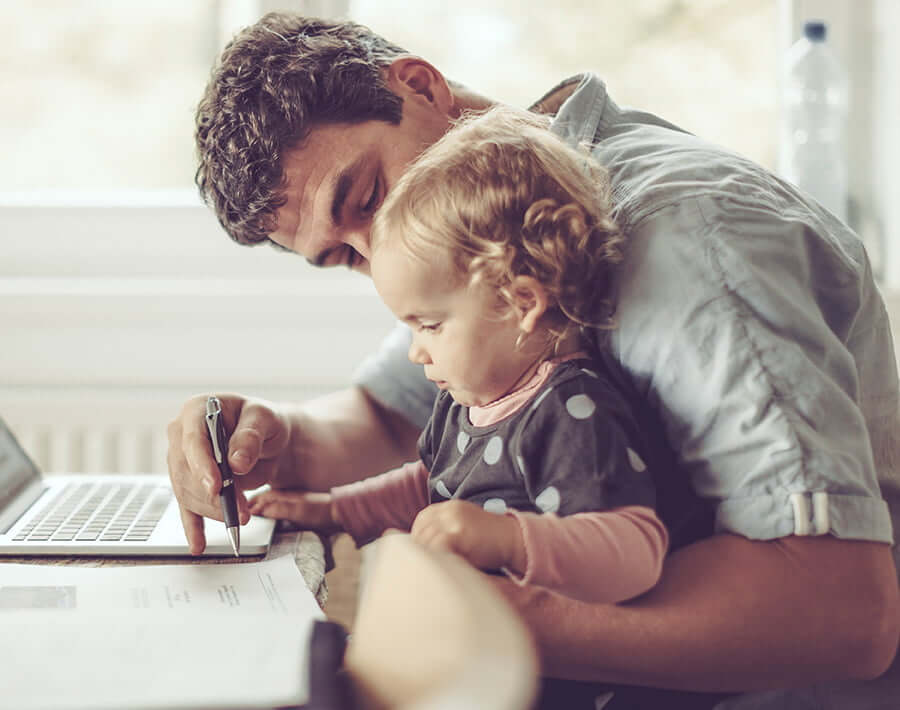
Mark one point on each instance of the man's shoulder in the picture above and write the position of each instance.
(651, 162)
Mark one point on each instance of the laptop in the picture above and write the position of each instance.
(113, 515)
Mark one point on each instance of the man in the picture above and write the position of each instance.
(748, 323)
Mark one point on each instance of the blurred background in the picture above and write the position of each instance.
(119, 294)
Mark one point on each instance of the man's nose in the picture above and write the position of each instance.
(361, 240)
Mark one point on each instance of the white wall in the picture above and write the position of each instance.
(113, 314)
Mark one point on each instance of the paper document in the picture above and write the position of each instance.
(157, 636)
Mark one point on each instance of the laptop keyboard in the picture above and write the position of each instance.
(108, 512)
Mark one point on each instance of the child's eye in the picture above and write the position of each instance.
(429, 327)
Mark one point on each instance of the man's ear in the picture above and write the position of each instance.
(529, 300)
(413, 78)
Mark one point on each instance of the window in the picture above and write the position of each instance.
(100, 95)
(706, 65)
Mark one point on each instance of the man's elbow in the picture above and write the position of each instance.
(876, 628)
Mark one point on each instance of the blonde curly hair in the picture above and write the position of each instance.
(501, 196)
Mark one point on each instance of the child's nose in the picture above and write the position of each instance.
(418, 354)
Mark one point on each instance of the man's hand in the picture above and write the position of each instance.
(486, 540)
(310, 510)
(258, 440)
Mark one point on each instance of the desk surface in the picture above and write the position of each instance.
(306, 548)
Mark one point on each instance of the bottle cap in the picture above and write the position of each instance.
(814, 30)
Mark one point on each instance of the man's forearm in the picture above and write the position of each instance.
(731, 614)
(343, 437)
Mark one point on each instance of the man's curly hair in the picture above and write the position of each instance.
(273, 83)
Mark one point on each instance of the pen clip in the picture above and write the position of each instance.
(213, 412)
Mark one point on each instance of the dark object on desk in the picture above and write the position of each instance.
(329, 687)
(219, 441)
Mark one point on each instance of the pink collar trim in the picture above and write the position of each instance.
(510, 403)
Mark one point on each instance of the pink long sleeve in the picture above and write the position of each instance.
(604, 557)
(367, 508)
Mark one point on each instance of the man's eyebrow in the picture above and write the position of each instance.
(342, 184)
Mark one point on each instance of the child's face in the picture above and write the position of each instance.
(465, 343)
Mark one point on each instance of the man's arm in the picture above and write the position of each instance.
(341, 438)
(731, 614)
(335, 439)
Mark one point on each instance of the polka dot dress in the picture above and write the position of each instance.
(574, 447)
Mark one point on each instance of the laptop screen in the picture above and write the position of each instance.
(16, 469)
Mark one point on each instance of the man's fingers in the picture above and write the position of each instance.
(201, 465)
(193, 531)
(258, 435)
(255, 433)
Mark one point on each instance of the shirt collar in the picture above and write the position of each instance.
(578, 105)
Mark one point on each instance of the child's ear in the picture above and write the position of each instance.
(529, 300)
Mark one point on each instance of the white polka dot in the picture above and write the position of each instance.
(637, 463)
(580, 406)
(495, 505)
(521, 463)
(548, 500)
(540, 399)
(589, 372)
(462, 441)
(441, 488)
(493, 450)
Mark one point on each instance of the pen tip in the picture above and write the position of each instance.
(234, 534)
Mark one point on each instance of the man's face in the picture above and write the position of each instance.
(338, 178)
(463, 335)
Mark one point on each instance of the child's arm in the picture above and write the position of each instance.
(604, 557)
(367, 508)
(364, 509)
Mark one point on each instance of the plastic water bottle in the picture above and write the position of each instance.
(813, 149)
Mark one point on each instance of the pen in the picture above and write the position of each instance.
(220, 450)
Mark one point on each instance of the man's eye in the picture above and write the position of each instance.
(372, 202)
(352, 258)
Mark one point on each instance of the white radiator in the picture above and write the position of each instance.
(65, 449)
(67, 430)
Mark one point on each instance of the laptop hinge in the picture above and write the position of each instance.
(21, 502)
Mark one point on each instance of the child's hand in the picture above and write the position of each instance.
(486, 540)
(310, 510)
